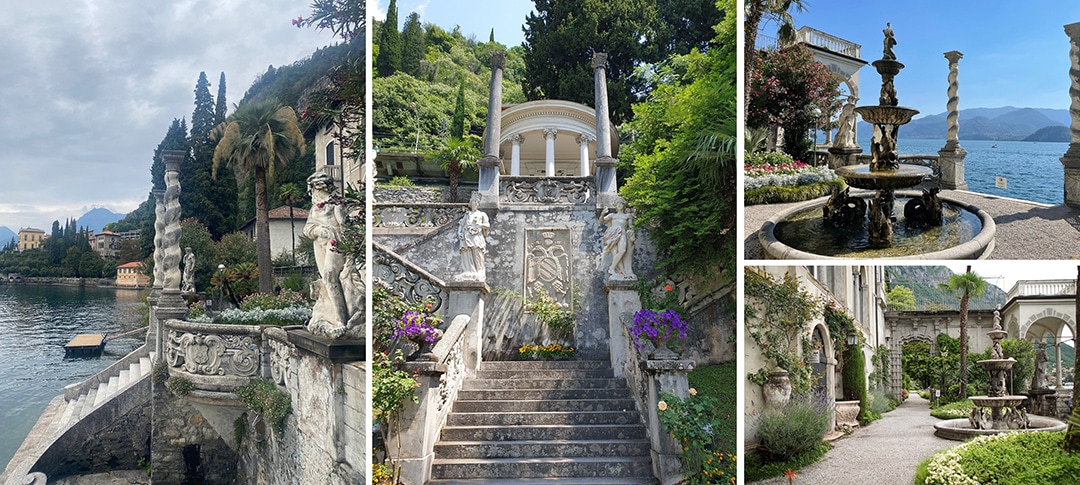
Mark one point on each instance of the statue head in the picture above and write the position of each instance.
(474, 201)
(187, 250)
(320, 181)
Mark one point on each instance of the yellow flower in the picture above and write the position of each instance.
(662, 405)
(693, 392)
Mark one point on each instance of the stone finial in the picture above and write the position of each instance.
(599, 60)
(498, 60)
(954, 56)
(1073, 30)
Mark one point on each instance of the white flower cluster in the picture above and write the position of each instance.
(297, 314)
(945, 467)
(811, 176)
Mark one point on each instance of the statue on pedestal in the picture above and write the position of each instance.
(618, 240)
(1038, 380)
(189, 272)
(472, 240)
(338, 292)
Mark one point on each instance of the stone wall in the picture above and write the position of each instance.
(185, 448)
(711, 336)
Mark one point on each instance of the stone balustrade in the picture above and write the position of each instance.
(416, 215)
(216, 357)
(833, 43)
(407, 280)
(547, 190)
(1042, 288)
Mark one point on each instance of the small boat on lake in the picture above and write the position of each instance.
(85, 345)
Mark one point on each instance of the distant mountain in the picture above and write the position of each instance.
(1005, 124)
(1068, 356)
(923, 282)
(6, 235)
(1051, 133)
(96, 219)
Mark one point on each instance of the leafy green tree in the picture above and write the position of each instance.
(791, 90)
(258, 138)
(900, 298)
(212, 200)
(778, 11)
(412, 45)
(389, 41)
(561, 37)
(457, 123)
(968, 285)
(220, 108)
(235, 248)
(682, 25)
(918, 362)
(683, 158)
(195, 235)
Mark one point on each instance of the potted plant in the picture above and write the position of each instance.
(658, 328)
(421, 329)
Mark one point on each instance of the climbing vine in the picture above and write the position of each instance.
(776, 320)
(840, 324)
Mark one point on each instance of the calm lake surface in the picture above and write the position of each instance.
(1033, 169)
(35, 323)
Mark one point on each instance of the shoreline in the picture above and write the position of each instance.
(69, 282)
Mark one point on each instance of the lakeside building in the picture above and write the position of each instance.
(130, 275)
(283, 238)
(30, 238)
(106, 243)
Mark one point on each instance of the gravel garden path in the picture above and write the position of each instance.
(883, 453)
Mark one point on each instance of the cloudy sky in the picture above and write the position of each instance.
(505, 16)
(90, 87)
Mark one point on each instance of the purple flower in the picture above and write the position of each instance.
(657, 327)
(416, 325)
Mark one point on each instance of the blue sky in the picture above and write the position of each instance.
(1014, 56)
(476, 18)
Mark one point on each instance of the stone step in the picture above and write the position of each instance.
(458, 468)
(102, 391)
(145, 365)
(539, 394)
(70, 412)
(548, 481)
(544, 432)
(125, 377)
(546, 374)
(608, 383)
(87, 403)
(542, 405)
(543, 364)
(542, 418)
(114, 386)
(553, 448)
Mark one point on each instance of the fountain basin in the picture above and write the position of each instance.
(997, 364)
(960, 429)
(886, 115)
(781, 240)
(998, 402)
(861, 177)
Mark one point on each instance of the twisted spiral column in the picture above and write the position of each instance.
(953, 118)
(170, 241)
(159, 236)
(1071, 160)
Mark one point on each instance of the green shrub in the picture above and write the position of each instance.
(271, 301)
(718, 381)
(758, 467)
(954, 410)
(295, 282)
(264, 397)
(400, 181)
(854, 380)
(694, 424)
(794, 428)
(770, 158)
(196, 310)
(1009, 458)
(179, 386)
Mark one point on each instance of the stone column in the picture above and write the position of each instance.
(1071, 160)
(951, 157)
(491, 165)
(170, 304)
(159, 274)
(605, 163)
(666, 376)
(1057, 353)
(417, 436)
(583, 144)
(515, 154)
(549, 151)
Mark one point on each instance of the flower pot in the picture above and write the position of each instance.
(777, 390)
(423, 347)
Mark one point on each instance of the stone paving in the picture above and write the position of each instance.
(1025, 230)
(884, 453)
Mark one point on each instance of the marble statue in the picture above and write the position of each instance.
(472, 240)
(188, 286)
(1038, 380)
(618, 240)
(890, 42)
(995, 351)
(845, 136)
(337, 312)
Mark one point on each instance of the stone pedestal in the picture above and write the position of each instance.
(666, 376)
(843, 156)
(488, 185)
(418, 435)
(623, 302)
(170, 306)
(465, 298)
(1072, 179)
(951, 162)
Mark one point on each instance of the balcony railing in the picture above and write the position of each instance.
(547, 190)
(1042, 288)
(416, 215)
(817, 38)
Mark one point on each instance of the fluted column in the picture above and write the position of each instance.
(951, 157)
(605, 163)
(515, 154)
(1071, 160)
(549, 151)
(583, 145)
(491, 165)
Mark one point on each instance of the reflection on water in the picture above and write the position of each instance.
(35, 323)
(806, 231)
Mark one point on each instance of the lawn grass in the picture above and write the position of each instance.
(718, 381)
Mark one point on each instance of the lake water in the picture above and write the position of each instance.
(1033, 169)
(35, 323)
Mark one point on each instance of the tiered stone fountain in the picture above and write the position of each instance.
(851, 227)
(997, 411)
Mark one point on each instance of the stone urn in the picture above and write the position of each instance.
(847, 415)
(777, 390)
(661, 350)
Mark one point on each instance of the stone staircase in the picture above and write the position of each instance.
(543, 422)
(62, 414)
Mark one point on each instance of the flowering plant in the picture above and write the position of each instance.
(657, 327)
(545, 352)
(417, 326)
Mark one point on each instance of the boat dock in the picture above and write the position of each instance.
(85, 344)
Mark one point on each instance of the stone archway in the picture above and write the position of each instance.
(825, 369)
(896, 360)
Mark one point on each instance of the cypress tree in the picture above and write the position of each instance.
(491, 36)
(457, 123)
(412, 45)
(389, 60)
(212, 201)
(220, 108)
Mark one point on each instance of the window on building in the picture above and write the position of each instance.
(330, 153)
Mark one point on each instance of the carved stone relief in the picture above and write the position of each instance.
(548, 264)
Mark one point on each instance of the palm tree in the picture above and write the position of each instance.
(290, 194)
(968, 285)
(457, 155)
(758, 10)
(257, 138)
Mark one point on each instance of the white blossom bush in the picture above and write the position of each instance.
(296, 315)
(945, 468)
(810, 175)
